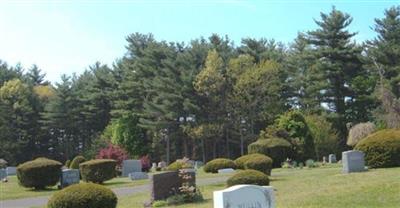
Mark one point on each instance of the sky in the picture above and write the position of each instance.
(65, 37)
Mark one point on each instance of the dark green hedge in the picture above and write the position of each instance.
(220, 163)
(76, 161)
(98, 171)
(84, 195)
(382, 149)
(276, 148)
(39, 173)
(253, 177)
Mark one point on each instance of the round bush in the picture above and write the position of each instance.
(253, 177)
(83, 196)
(382, 149)
(67, 163)
(276, 148)
(39, 173)
(239, 162)
(98, 171)
(177, 165)
(259, 162)
(76, 161)
(220, 163)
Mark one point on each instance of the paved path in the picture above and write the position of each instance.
(123, 191)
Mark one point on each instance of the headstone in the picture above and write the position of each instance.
(324, 159)
(166, 184)
(11, 171)
(191, 163)
(154, 166)
(353, 161)
(138, 176)
(226, 170)
(245, 196)
(198, 164)
(3, 174)
(162, 164)
(130, 166)
(332, 158)
(69, 177)
(188, 170)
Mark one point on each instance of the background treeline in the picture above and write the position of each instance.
(208, 98)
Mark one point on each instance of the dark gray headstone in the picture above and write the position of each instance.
(138, 176)
(130, 166)
(11, 171)
(332, 158)
(69, 177)
(3, 173)
(167, 184)
(353, 161)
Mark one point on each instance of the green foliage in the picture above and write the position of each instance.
(84, 195)
(127, 134)
(220, 163)
(252, 177)
(177, 165)
(310, 163)
(39, 173)
(160, 203)
(255, 161)
(98, 171)
(276, 148)
(67, 163)
(299, 133)
(76, 161)
(261, 163)
(325, 136)
(382, 149)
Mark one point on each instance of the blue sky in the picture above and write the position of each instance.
(68, 36)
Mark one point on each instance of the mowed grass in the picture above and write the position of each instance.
(314, 188)
(12, 190)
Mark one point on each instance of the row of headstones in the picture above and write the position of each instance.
(263, 196)
(9, 171)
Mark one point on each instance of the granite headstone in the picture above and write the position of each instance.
(69, 177)
(11, 171)
(332, 158)
(130, 166)
(353, 161)
(166, 184)
(245, 196)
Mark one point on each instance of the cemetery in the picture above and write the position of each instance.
(311, 122)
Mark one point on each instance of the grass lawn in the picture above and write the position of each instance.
(312, 188)
(11, 189)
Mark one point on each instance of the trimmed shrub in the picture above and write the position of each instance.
(177, 165)
(255, 161)
(76, 161)
(276, 148)
(253, 177)
(220, 163)
(84, 195)
(39, 173)
(98, 171)
(359, 132)
(261, 163)
(382, 149)
(67, 163)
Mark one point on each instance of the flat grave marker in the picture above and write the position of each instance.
(138, 176)
(226, 170)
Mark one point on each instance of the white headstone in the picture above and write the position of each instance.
(226, 170)
(162, 164)
(138, 175)
(69, 177)
(332, 158)
(11, 171)
(353, 161)
(130, 166)
(245, 196)
(3, 173)
(198, 164)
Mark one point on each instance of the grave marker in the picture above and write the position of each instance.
(138, 176)
(130, 166)
(69, 177)
(226, 170)
(11, 171)
(332, 158)
(245, 196)
(3, 174)
(166, 184)
(353, 161)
